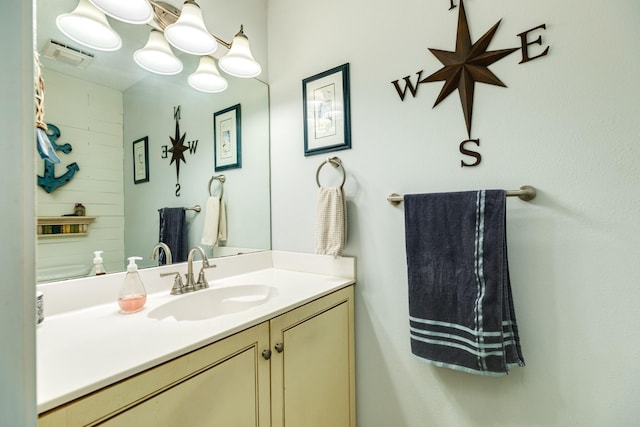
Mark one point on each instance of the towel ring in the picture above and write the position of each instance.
(336, 163)
(221, 179)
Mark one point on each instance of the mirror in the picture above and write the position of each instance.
(101, 110)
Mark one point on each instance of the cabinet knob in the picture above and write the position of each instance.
(266, 354)
(279, 347)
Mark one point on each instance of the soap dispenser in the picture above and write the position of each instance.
(132, 295)
(98, 266)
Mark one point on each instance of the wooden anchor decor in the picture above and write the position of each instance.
(50, 181)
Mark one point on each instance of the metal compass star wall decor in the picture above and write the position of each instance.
(178, 148)
(466, 66)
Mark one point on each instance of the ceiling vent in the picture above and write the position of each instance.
(64, 53)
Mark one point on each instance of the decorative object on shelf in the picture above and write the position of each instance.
(79, 210)
(227, 139)
(327, 122)
(49, 181)
(141, 160)
(64, 226)
(183, 29)
(466, 66)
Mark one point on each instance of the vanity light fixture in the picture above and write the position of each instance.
(189, 33)
(89, 26)
(207, 78)
(185, 30)
(156, 56)
(130, 11)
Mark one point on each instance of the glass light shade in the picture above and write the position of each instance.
(239, 61)
(156, 56)
(206, 78)
(129, 11)
(189, 34)
(89, 27)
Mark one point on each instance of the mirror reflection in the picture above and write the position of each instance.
(120, 122)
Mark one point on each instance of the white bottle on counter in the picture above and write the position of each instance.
(98, 266)
(132, 295)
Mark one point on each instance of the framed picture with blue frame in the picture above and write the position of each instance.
(327, 116)
(227, 144)
(141, 160)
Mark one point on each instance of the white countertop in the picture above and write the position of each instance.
(83, 349)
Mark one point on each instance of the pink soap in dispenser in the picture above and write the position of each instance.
(132, 295)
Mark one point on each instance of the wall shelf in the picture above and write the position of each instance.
(64, 226)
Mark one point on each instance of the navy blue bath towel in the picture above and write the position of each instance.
(460, 304)
(173, 232)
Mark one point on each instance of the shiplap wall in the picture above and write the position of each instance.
(90, 118)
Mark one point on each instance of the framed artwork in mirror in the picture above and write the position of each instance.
(227, 145)
(327, 118)
(141, 160)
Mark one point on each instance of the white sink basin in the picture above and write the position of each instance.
(213, 302)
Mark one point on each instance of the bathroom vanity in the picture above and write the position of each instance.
(284, 357)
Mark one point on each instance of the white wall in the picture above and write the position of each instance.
(567, 124)
(17, 244)
(90, 118)
(149, 109)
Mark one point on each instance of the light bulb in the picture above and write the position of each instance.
(239, 61)
(206, 78)
(130, 11)
(189, 34)
(156, 56)
(89, 27)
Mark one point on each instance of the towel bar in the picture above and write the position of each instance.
(196, 208)
(336, 163)
(221, 179)
(526, 193)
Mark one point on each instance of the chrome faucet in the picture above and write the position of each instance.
(167, 252)
(191, 284)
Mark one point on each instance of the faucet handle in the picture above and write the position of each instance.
(178, 286)
(202, 281)
(205, 262)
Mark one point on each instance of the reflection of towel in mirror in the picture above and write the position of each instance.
(331, 221)
(173, 232)
(215, 222)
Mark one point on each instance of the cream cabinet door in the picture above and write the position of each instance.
(223, 395)
(312, 366)
(225, 384)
